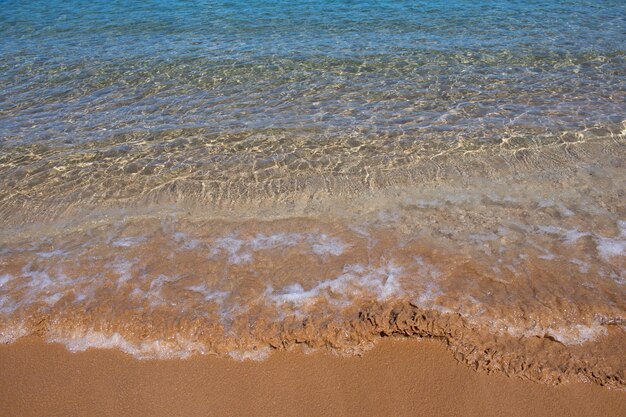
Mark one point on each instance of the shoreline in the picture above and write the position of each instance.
(397, 377)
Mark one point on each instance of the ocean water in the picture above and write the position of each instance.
(232, 178)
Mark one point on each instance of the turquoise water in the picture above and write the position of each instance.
(226, 97)
(75, 71)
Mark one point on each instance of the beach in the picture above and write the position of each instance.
(397, 377)
(312, 207)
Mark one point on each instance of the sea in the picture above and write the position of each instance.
(238, 177)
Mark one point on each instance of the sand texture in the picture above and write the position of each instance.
(396, 378)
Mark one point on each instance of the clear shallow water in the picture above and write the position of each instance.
(194, 91)
(84, 71)
(172, 172)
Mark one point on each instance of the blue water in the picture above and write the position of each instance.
(70, 69)
(215, 95)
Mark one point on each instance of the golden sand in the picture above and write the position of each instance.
(397, 378)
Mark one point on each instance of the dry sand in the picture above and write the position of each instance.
(396, 378)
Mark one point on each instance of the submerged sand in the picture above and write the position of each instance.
(397, 378)
(520, 266)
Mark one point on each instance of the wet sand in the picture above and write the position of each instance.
(397, 377)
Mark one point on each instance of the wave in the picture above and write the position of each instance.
(514, 274)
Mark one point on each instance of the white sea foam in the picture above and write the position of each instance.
(277, 240)
(612, 247)
(572, 235)
(620, 279)
(427, 297)
(79, 297)
(326, 245)
(128, 241)
(7, 305)
(582, 265)
(423, 204)
(569, 236)
(426, 269)
(607, 247)
(484, 237)
(10, 335)
(241, 251)
(209, 294)
(51, 254)
(137, 293)
(179, 347)
(459, 198)
(5, 278)
(154, 294)
(431, 291)
(39, 280)
(576, 334)
(572, 334)
(45, 286)
(563, 211)
(187, 243)
(356, 280)
(252, 355)
(122, 267)
(52, 299)
(388, 217)
(232, 247)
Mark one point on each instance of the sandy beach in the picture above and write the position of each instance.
(312, 208)
(396, 378)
